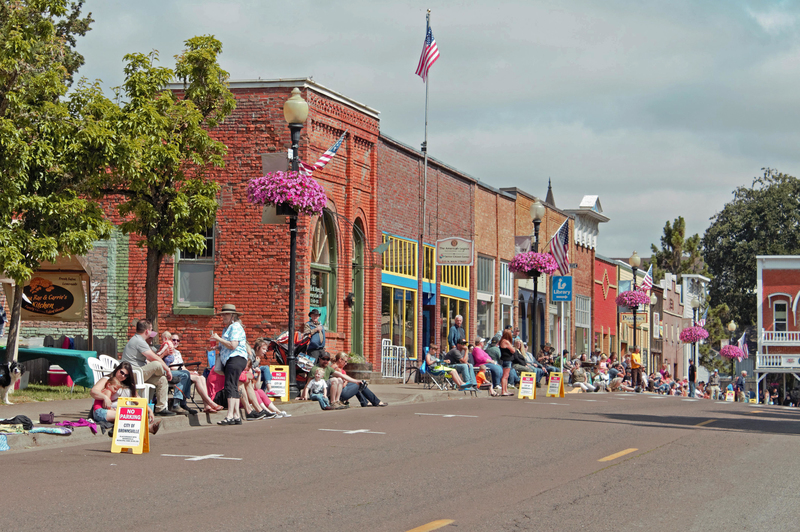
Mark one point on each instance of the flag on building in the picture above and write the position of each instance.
(430, 53)
(647, 283)
(702, 321)
(306, 169)
(559, 248)
(743, 345)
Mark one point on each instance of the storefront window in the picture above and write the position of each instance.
(484, 319)
(399, 317)
(507, 316)
(323, 270)
(450, 308)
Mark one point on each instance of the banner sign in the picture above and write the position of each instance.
(131, 429)
(527, 386)
(454, 251)
(561, 288)
(280, 382)
(555, 385)
(51, 297)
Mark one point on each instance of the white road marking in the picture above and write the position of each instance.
(359, 431)
(443, 415)
(590, 400)
(193, 458)
(690, 400)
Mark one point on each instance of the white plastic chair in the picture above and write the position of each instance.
(143, 389)
(108, 363)
(97, 368)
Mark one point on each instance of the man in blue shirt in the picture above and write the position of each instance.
(456, 333)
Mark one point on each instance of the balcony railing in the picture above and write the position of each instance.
(778, 362)
(780, 337)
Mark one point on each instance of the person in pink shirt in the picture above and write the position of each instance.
(482, 359)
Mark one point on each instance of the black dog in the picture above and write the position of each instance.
(10, 373)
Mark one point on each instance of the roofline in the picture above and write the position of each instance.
(515, 191)
(419, 154)
(601, 218)
(307, 83)
(605, 259)
(696, 275)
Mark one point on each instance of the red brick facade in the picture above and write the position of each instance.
(604, 307)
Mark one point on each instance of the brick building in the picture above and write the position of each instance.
(604, 306)
(672, 322)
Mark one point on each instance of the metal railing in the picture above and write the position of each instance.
(393, 360)
(780, 337)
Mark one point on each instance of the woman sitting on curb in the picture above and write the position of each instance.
(353, 387)
(107, 390)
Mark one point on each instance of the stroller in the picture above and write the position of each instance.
(280, 348)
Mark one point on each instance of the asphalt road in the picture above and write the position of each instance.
(497, 464)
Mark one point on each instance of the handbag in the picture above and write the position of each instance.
(218, 368)
(47, 419)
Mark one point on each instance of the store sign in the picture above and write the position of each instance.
(454, 251)
(627, 317)
(561, 288)
(52, 297)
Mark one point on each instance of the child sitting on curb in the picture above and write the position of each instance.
(318, 390)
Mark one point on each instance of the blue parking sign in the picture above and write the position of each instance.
(561, 288)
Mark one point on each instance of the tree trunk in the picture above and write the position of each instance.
(14, 323)
(154, 259)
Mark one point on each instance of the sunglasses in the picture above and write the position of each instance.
(176, 339)
(122, 373)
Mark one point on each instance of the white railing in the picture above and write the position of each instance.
(780, 337)
(393, 360)
(777, 361)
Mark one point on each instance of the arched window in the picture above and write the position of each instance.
(323, 269)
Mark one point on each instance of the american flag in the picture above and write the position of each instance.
(306, 169)
(702, 321)
(559, 247)
(430, 53)
(647, 283)
(743, 345)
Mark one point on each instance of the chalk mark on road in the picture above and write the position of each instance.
(193, 458)
(442, 415)
(359, 431)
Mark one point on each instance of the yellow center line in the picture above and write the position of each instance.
(706, 422)
(617, 455)
(433, 525)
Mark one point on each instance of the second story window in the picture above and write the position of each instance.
(194, 276)
(779, 316)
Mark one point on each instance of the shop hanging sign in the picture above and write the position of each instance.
(280, 382)
(131, 430)
(52, 297)
(627, 318)
(454, 251)
(527, 386)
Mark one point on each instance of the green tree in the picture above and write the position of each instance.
(160, 171)
(717, 327)
(678, 254)
(49, 146)
(763, 219)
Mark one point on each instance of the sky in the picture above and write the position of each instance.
(660, 108)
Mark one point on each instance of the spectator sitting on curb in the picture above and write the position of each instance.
(139, 354)
(335, 384)
(579, 379)
(318, 390)
(359, 389)
(198, 380)
(107, 390)
(457, 358)
(436, 366)
(260, 348)
(481, 359)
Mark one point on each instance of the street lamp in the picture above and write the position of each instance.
(295, 112)
(537, 213)
(732, 330)
(695, 306)
(635, 262)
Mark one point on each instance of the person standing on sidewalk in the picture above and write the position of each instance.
(155, 371)
(232, 357)
(713, 385)
(738, 387)
(636, 369)
(456, 333)
(692, 378)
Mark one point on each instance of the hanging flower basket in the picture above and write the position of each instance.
(732, 352)
(288, 191)
(694, 334)
(632, 298)
(533, 264)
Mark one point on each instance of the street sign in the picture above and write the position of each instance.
(131, 430)
(561, 288)
(573, 265)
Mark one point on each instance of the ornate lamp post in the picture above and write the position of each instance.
(695, 306)
(635, 262)
(295, 112)
(732, 330)
(537, 213)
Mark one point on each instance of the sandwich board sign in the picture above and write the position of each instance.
(729, 396)
(527, 386)
(555, 385)
(280, 382)
(131, 427)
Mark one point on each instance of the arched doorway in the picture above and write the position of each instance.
(357, 305)
(323, 270)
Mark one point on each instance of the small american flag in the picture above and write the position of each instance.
(647, 283)
(743, 345)
(559, 248)
(430, 53)
(702, 321)
(306, 169)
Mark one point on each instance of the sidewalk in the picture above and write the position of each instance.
(394, 394)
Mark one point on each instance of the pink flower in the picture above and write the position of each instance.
(533, 263)
(731, 351)
(300, 192)
(632, 298)
(691, 335)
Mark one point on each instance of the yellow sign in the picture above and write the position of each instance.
(729, 396)
(555, 385)
(754, 401)
(131, 428)
(280, 382)
(527, 386)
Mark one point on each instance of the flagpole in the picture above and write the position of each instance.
(424, 203)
